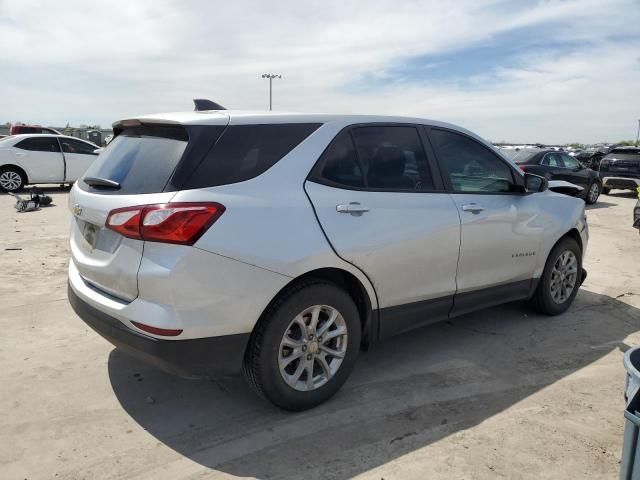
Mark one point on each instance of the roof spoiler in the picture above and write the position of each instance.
(202, 104)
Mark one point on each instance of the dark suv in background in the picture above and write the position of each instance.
(620, 169)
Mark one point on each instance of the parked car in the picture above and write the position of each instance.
(42, 158)
(590, 157)
(213, 242)
(555, 165)
(620, 169)
(23, 129)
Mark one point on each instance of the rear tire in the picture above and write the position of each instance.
(12, 179)
(280, 355)
(553, 296)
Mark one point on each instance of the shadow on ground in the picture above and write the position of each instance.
(405, 393)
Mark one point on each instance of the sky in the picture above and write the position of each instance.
(518, 71)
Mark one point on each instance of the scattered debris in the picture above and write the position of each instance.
(36, 200)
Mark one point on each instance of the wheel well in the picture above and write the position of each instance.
(573, 233)
(353, 287)
(10, 165)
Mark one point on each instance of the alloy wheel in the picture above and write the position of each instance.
(594, 192)
(10, 180)
(564, 276)
(313, 348)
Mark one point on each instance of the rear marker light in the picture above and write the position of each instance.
(165, 332)
(179, 223)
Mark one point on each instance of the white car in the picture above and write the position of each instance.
(213, 242)
(40, 158)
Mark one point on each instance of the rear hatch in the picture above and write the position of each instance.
(622, 161)
(144, 164)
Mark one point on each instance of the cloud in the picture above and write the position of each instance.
(549, 71)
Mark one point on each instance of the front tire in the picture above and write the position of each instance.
(12, 179)
(304, 346)
(561, 278)
(593, 193)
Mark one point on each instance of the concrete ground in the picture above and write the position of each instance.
(502, 393)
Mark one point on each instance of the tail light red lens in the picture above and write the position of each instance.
(180, 223)
(165, 332)
(523, 167)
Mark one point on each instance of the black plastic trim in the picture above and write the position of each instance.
(211, 357)
(401, 318)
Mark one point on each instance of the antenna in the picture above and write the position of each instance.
(203, 104)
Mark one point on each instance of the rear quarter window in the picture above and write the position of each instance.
(245, 151)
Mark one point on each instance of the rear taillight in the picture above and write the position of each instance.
(523, 167)
(181, 223)
(165, 332)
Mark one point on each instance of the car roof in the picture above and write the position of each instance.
(239, 117)
(46, 135)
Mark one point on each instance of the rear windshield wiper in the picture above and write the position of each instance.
(101, 182)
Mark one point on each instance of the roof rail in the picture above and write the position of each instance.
(202, 104)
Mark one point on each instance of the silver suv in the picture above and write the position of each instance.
(211, 243)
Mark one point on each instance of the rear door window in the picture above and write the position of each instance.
(140, 159)
(340, 164)
(393, 157)
(389, 158)
(553, 160)
(39, 144)
(246, 151)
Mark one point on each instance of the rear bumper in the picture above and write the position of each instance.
(211, 357)
(624, 183)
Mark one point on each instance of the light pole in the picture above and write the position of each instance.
(638, 135)
(270, 76)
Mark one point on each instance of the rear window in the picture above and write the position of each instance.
(140, 159)
(246, 151)
(518, 155)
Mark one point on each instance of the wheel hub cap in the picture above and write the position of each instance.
(10, 180)
(313, 348)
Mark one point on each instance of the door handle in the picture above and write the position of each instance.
(354, 208)
(473, 208)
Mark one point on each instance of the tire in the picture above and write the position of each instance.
(606, 190)
(12, 179)
(548, 300)
(268, 348)
(593, 193)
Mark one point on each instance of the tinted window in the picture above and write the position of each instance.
(245, 151)
(569, 162)
(519, 155)
(76, 146)
(39, 144)
(340, 163)
(626, 151)
(141, 160)
(392, 158)
(553, 160)
(472, 167)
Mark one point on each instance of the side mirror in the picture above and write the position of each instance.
(535, 183)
